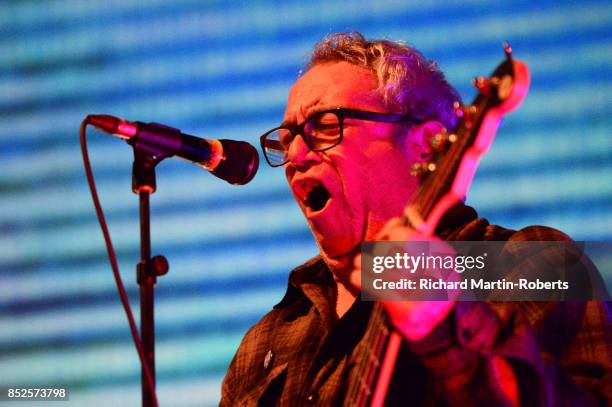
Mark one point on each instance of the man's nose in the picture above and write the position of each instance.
(299, 155)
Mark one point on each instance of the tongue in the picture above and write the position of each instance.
(317, 198)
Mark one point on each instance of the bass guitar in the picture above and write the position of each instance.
(445, 181)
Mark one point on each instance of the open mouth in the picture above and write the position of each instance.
(317, 197)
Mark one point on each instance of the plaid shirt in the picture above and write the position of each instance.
(549, 353)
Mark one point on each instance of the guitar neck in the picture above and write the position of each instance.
(369, 359)
(440, 174)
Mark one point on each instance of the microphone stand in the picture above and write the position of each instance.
(152, 143)
(148, 269)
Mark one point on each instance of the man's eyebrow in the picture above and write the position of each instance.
(308, 112)
(318, 109)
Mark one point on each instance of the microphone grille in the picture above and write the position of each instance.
(240, 162)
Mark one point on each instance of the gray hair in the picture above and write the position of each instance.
(408, 82)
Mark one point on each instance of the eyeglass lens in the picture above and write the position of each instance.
(319, 132)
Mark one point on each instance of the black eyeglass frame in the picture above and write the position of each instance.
(341, 113)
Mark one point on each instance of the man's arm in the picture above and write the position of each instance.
(518, 353)
(491, 353)
(512, 353)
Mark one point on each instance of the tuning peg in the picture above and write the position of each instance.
(465, 112)
(507, 48)
(417, 170)
(503, 85)
(458, 109)
(439, 141)
(482, 84)
(420, 170)
(462, 110)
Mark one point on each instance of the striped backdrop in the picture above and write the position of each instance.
(222, 70)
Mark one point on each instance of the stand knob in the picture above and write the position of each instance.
(160, 265)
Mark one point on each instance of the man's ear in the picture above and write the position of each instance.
(418, 140)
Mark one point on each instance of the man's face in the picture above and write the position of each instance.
(349, 192)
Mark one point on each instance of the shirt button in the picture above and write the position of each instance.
(467, 334)
(268, 359)
(312, 397)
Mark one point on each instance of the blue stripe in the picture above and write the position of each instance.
(223, 71)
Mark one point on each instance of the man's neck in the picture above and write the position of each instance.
(344, 299)
(346, 293)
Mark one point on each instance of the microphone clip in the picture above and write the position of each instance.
(156, 140)
(143, 170)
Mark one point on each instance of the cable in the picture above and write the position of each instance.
(113, 260)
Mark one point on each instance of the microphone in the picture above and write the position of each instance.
(233, 161)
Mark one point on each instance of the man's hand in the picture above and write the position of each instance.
(413, 319)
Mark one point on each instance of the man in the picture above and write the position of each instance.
(355, 123)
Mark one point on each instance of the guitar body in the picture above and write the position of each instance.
(445, 181)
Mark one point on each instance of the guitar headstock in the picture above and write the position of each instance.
(502, 92)
(445, 179)
(508, 84)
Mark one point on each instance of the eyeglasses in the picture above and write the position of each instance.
(320, 132)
